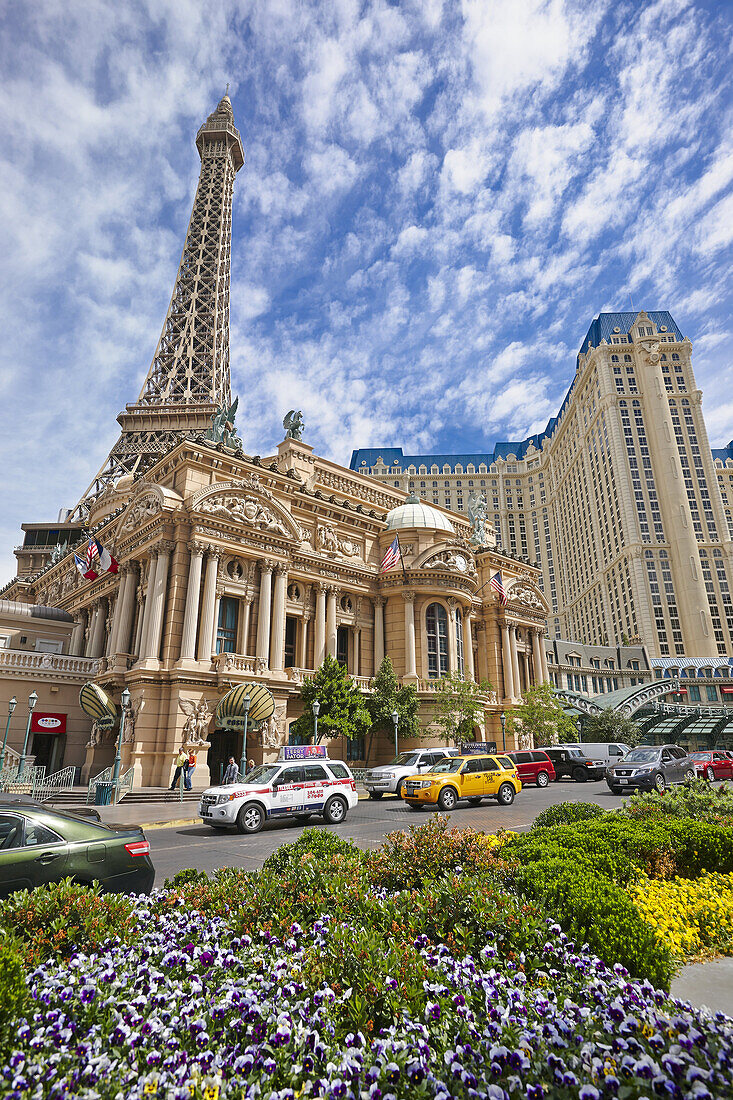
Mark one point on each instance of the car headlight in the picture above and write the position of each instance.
(644, 768)
(422, 783)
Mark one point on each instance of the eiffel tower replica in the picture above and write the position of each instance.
(188, 380)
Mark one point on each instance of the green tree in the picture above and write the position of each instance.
(609, 725)
(342, 712)
(386, 696)
(459, 706)
(541, 720)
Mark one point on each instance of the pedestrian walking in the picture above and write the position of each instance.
(190, 769)
(181, 765)
(231, 775)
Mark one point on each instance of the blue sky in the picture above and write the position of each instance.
(436, 201)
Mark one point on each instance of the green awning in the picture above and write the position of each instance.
(231, 710)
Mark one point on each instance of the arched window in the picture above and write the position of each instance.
(675, 357)
(614, 358)
(436, 625)
(627, 358)
(459, 640)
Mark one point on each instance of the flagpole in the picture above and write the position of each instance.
(402, 559)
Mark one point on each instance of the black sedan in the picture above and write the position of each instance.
(39, 846)
(650, 767)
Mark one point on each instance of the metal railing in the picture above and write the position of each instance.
(12, 781)
(122, 787)
(52, 785)
(103, 777)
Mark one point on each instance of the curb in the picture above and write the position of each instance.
(148, 825)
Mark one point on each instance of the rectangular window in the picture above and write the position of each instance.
(694, 693)
(291, 633)
(226, 632)
(712, 692)
(355, 748)
(342, 646)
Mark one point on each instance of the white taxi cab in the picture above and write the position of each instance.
(302, 782)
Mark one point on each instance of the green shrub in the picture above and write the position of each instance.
(185, 877)
(593, 909)
(431, 851)
(65, 917)
(13, 991)
(567, 813)
(312, 843)
(698, 799)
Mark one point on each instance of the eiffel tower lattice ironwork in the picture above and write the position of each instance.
(188, 380)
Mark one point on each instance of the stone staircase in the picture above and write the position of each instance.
(77, 796)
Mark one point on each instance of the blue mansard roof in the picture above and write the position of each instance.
(602, 328)
(724, 453)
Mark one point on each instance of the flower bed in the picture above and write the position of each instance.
(694, 917)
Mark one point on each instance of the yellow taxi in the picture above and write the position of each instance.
(472, 776)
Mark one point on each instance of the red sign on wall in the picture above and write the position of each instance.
(46, 722)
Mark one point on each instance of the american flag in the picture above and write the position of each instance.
(498, 586)
(390, 559)
(92, 553)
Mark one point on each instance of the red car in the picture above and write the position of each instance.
(533, 767)
(712, 764)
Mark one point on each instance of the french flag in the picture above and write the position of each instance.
(106, 561)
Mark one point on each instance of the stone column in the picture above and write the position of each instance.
(191, 612)
(246, 615)
(527, 677)
(539, 675)
(96, 646)
(160, 583)
(208, 604)
(410, 664)
(356, 671)
(543, 655)
(140, 600)
(320, 637)
(506, 662)
(378, 632)
(515, 661)
(125, 608)
(468, 646)
(147, 607)
(109, 625)
(76, 645)
(331, 621)
(277, 640)
(263, 618)
(303, 641)
(452, 636)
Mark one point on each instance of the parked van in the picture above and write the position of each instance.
(605, 752)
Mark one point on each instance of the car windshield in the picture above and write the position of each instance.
(699, 756)
(452, 764)
(263, 774)
(642, 756)
(404, 760)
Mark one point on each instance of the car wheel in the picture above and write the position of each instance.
(709, 774)
(690, 775)
(580, 775)
(660, 783)
(375, 795)
(250, 818)
(398, 791)
(474, 801)
(543, 779)
(505, 794)
(335, 809)
(447, 798)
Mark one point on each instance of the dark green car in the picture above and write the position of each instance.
(38, 846)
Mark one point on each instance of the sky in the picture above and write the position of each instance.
(437, 199)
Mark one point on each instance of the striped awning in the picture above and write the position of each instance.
(231, 710)
(97, 704)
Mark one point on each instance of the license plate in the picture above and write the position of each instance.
(625, 781)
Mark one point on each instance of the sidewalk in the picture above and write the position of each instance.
(707, 985)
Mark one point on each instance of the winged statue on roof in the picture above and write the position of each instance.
(293, 424)
(222, 428)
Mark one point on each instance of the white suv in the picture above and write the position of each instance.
(298, 788)
(387, 778)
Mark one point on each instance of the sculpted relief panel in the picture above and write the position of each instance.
(140, 511)
(329, 541)
(248, 510)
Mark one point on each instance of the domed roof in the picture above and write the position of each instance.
(415, 513)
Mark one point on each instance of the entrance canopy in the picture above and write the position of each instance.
(232, 711)
(625, 701)
(97, 704)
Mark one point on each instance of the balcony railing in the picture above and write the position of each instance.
(21, 660)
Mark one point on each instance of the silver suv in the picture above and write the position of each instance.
(650, 767)
(387, 778)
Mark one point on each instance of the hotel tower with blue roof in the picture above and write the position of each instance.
(620, 499)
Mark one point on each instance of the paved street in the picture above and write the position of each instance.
(199, 846)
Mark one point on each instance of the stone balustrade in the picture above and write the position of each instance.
(13, 661)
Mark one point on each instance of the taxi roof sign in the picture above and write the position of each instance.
(472, 748)
(303, 752)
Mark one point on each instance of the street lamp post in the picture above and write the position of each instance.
(243, 762)
(316, 708)
(502, 719)
(32, 700)
(12, 704)
(124, 702)
(395, 723)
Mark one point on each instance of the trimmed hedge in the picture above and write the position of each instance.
(567, 813)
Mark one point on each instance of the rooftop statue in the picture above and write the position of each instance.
(477, 516)
(222, 428)
(293, 424)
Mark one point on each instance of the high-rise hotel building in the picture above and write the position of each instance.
(619, 500)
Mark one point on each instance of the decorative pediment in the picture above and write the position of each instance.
(523, 593)
(451, 558)
(248, 504)
(146, 503)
